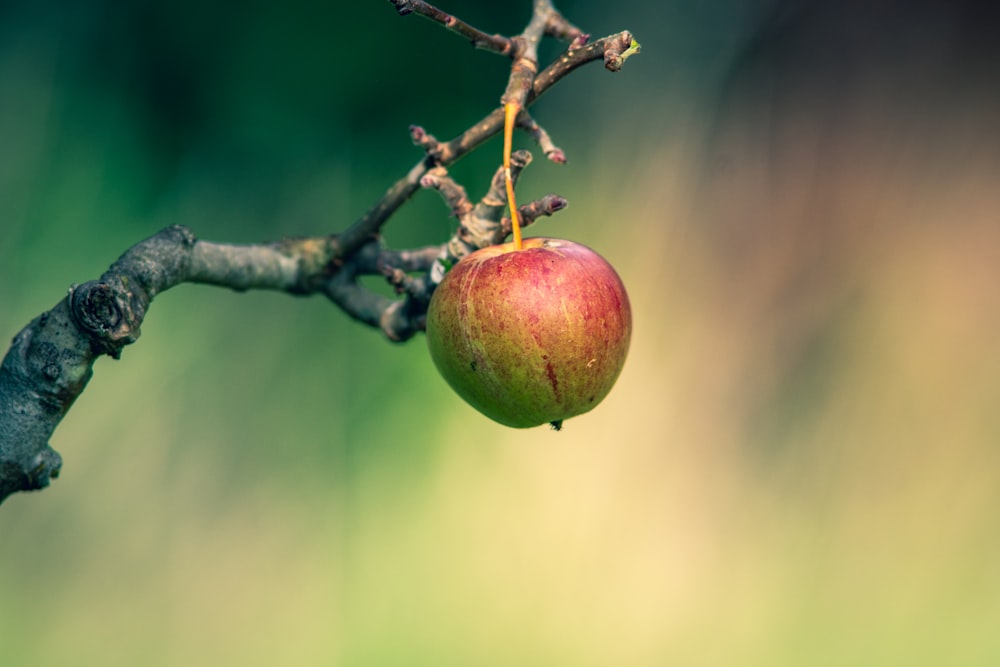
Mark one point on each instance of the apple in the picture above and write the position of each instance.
(533, 335)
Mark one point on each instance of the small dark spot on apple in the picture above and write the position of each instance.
(472, 365)
(556, 425)
(589, 400)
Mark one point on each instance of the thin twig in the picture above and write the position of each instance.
(538, 133)
(477, 38)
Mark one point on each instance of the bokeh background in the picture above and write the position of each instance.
(800, 464)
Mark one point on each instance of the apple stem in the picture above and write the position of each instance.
(511, 109)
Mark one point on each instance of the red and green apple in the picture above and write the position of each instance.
(530, 335)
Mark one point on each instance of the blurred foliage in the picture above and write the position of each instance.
(798, 465)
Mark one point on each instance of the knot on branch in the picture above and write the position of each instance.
(36, 474)
(404, 7)
(403, 319)
(428, 142)
(109, 313)
(546, 206)
(618, 50)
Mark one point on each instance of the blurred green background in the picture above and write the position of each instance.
(798, 466)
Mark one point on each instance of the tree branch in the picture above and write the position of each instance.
(477, 38)
(609, 49)
(50, 361)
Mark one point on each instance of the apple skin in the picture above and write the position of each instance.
(530, 336)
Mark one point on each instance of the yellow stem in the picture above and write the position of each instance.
(511, 109)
